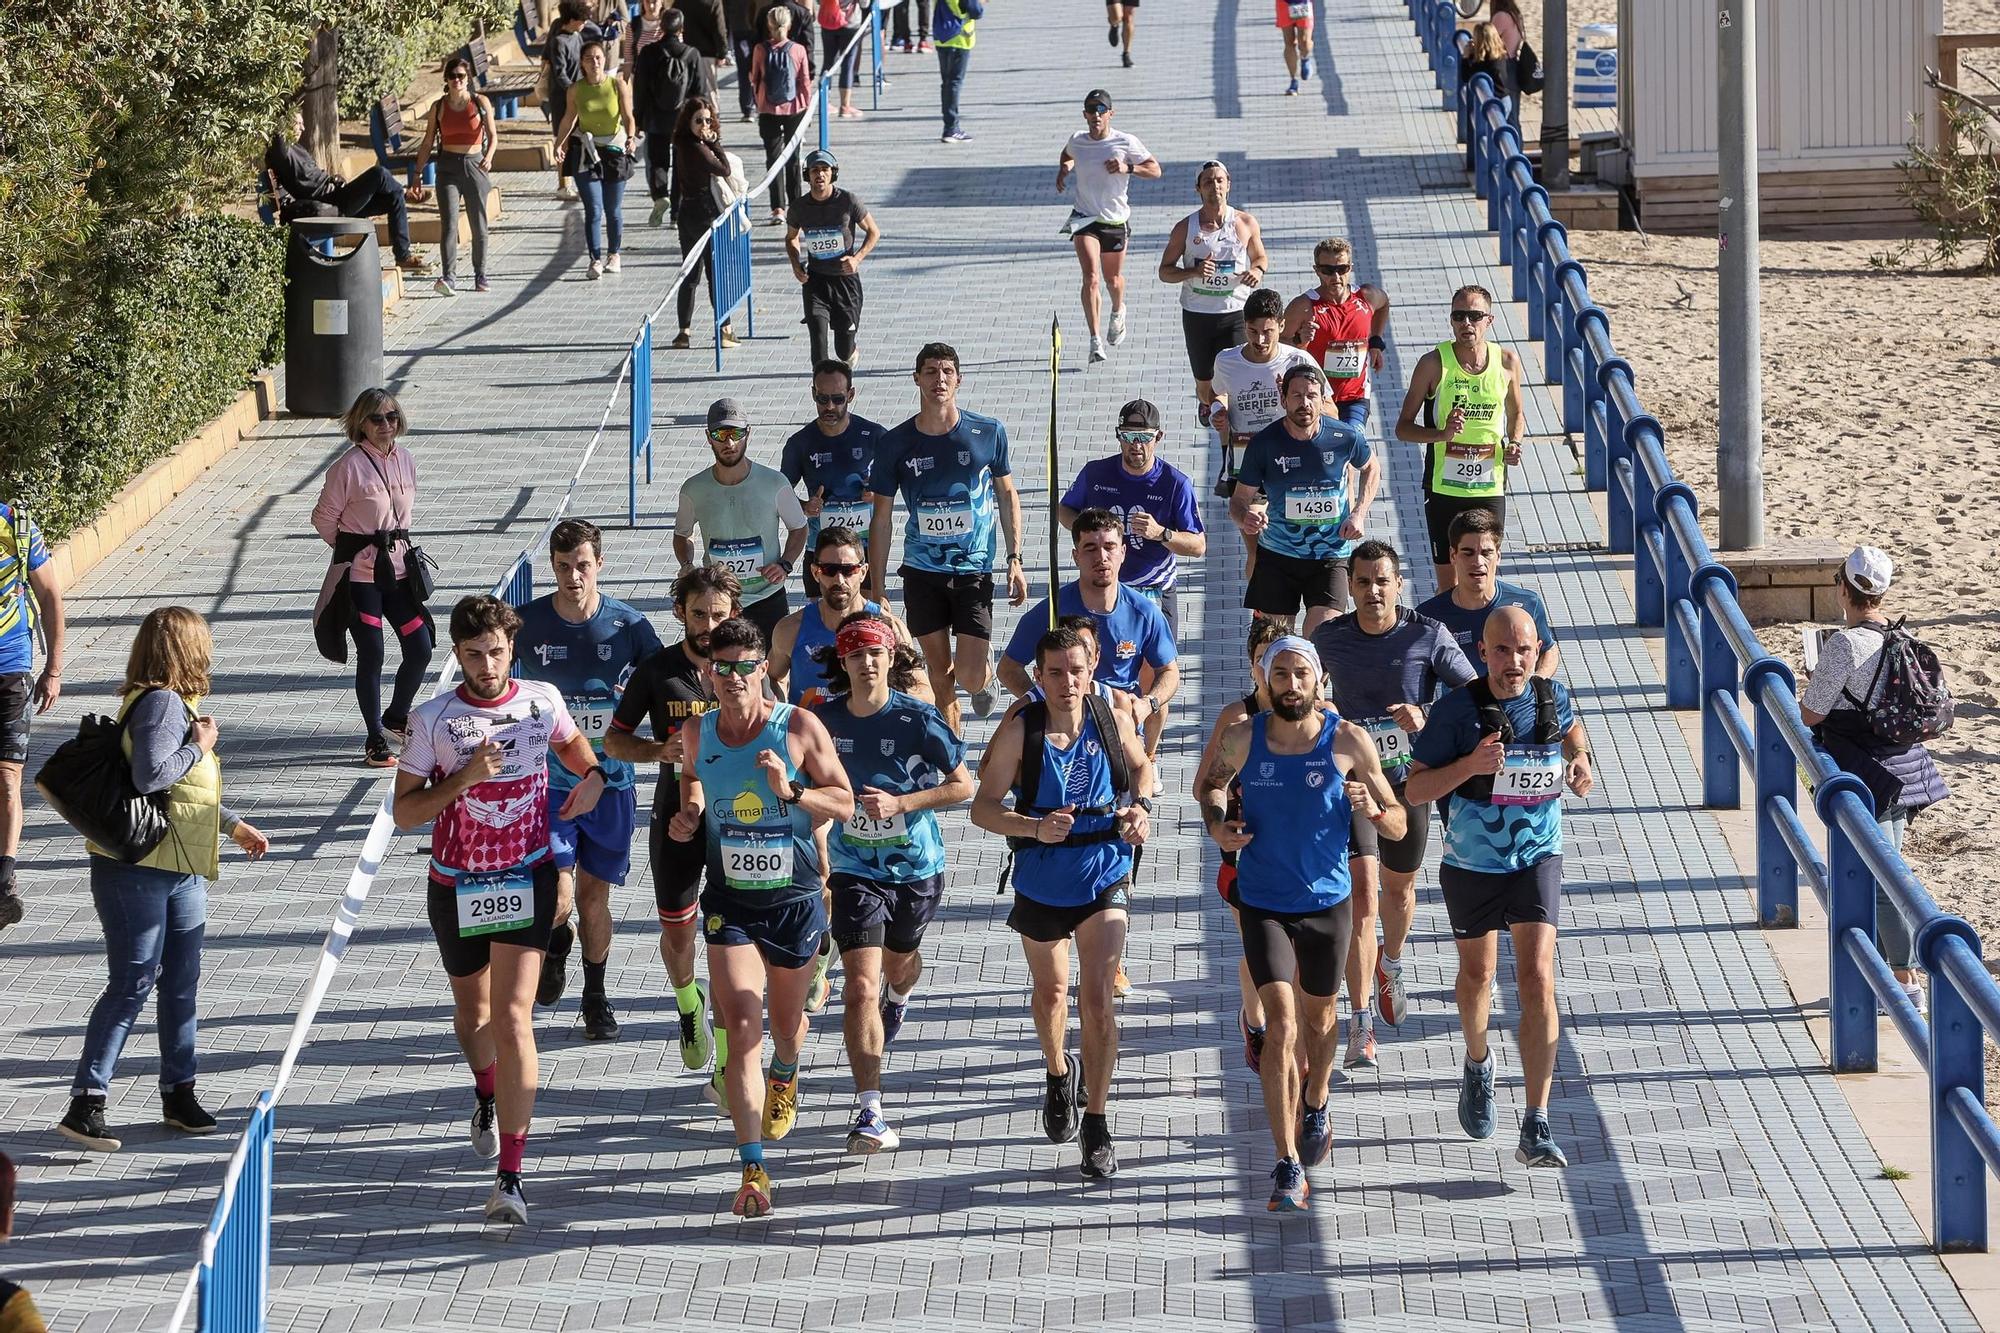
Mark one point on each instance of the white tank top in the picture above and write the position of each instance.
(1225, 246)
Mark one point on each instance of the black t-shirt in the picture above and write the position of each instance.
(668, 689)
(831, 229)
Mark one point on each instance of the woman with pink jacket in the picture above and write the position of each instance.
(363, 513)
(781, 72)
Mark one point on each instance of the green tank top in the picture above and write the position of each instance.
(596, 107)
(1473, 464)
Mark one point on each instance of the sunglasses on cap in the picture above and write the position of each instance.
(839, 569)
(728, 434)
(745, 668)
(1469, 316)
(385, 418)
(1137, 435)
(1332, 269)
(829, 399)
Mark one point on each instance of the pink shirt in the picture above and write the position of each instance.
(353, 498)
(761, 78)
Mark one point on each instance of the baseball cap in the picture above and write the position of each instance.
(1869, 570)
(726, 412)
(1139, 415)
(820, 157)
(1096, 96)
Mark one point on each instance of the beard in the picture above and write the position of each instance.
(700, 644)
(1292, 707)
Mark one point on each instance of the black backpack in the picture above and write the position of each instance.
(1915, 703)
(88, 781)
(1028, 780)
(800, 84)
(1493, 718)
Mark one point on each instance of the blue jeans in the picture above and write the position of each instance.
(153, 923)
(602, 199)
(952, 61)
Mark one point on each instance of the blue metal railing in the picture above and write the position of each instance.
(640, 423)
(236, 1253)
(1747, 698)
(729, 247)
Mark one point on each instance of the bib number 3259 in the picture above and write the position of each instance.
(1530, 775)
(491, 902)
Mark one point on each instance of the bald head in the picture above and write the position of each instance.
(1511, 646)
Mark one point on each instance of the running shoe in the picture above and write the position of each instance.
(180, 1110)
(781, 1107)
(11, 908)
(923, 47)
(1475, 1100)
(1121, 985)
(377, 754)
(1253, 1044)
(1392, 993)
(594, 270)
(600, 1022)
(1112, 36)
(1115, 334)
(871, 1134)
(1315, 1136)
(661, 207)
(1100, 1159)
(1097, 352)
(716, 1091)
(445, 287)
(555, 965)
(819, 988)
(481, 285)
(983, 699)
(1128, 60)
(84, 1124)
(729, 338)
(697, 1033)
(956, 136)
(1361, 1041)
(1538, 1146)
(611, 264)
(507, 1203)
(1292, 88)
(1059, 1103)
(484, 1131)
(1306, 68)
(1289, 1188)
(892, 1019)
(753, 1196)
(1201, 411)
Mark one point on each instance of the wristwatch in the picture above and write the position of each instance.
(1144, 803)
(598, 769)
(1376, 344)
(796, 792)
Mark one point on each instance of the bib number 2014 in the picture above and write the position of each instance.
(945, 522)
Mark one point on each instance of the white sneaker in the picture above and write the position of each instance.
(506, 1203)
(444, 287)
(1361, 1042)
(611, 264)
(484, 1132)
(568, 194)
(872, 1134)
(596, 269)
(1097, 352)
(1117, 329)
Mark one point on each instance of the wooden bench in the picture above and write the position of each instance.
(385, 135)
(505, 90)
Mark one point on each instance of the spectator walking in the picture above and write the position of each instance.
(1848, 682)
(563, 59)
(782, 76)
(595, 141)
(707, 30)
(1487, 55)
(363, 513)
(952, 25)
(905, 11)
(830, 233)
(461, 132)
(667, 72)
(839, 21)
(17, 1309)
(742, 18)
(642, 32)
(154, 912)
(702, 169)
(302, 188)
(30, 597)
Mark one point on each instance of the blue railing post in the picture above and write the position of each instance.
(1557, 328)
(1617, 448)
(729, 243)
(878, 78)
(1776, 775)
(1721, 768)
(235, 1274)
(1850, 905)
(1683, 661)
(1595, 460)
(825, 101)
(1958, 1071)
(640, 429)
(1649, 589)
(1539, 274)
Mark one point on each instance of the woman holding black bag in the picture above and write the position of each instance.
(378, 579)
(594, 143)
(154, 911)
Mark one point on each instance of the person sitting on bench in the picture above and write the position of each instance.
(305, 189)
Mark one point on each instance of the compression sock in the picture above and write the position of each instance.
(686, 998)
(482, 1079)
(721, 1048)
(593, 976)
(511, 1148)
(752, 1154)
(783, 1072)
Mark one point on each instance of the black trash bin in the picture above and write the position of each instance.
(333, 314)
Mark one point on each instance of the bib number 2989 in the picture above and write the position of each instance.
(491, 903)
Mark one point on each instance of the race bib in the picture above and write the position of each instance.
(1392, 743)
(742, 558)
(1316, 506)
(1346, 361)
(825, 242)
(854, 515)
(944, 520)
(862, 831)
(1299, 9)
(1529, 775)
(493, 901)
(1224, 282)
(756, 860)
(1470, 465)
(593, 718)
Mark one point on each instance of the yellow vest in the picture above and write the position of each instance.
(194, 811)
(1474, 463)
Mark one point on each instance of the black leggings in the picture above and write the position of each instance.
(833, 314)
(374, 607)
(1281, 946)
(692, 225)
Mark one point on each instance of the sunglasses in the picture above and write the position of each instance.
(1468, 316)
(829, 399)
(454, 77)
(1137, 435)
(1096, 109)
(840, 569)
(728, 434)
(1333, 269)
(745, 668)
(385, 418)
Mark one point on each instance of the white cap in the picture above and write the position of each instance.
(1869, 570)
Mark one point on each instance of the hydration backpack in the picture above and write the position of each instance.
(1493, 718)
(1915, 704)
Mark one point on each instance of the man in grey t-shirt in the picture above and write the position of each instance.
(746, 513)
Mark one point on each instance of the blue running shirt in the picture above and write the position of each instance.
(805, 679)
(17, 599)
(841, 464)
(1469, 627)
(1491, 836)
(903, 747)
(1295, 807)
(1306, 483)
(1165, 493)
(946, 482)
(1058, 876)
(1135, 630)
(590, 663)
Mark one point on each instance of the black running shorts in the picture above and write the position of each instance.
(1479, 902)
(466, 956)
(1310, 947)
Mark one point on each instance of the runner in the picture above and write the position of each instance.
(1464, 391)
(670, 689)
(1135, 645)
(1073, 834)
(1304, 775)
(762, 912)
(1152, 498)
(1246, 397)
(888, 860)
(829, 235)
(952, 469)
(1342, 326)
(1216, 256)
(1295, 25)
(32, 600)
(1502, 752)
(744, 511)
(1301, 461)
(1123, 16)
(1478, 590)
(1383, 662)
(476, 763)
(1100, 221)
(587, 645)
(831, 458)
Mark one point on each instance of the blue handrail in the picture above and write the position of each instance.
(1715, 663)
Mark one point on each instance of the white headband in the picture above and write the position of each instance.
(1291, 643)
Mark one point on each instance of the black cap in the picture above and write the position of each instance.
(1096, 95)
(1139, 414)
